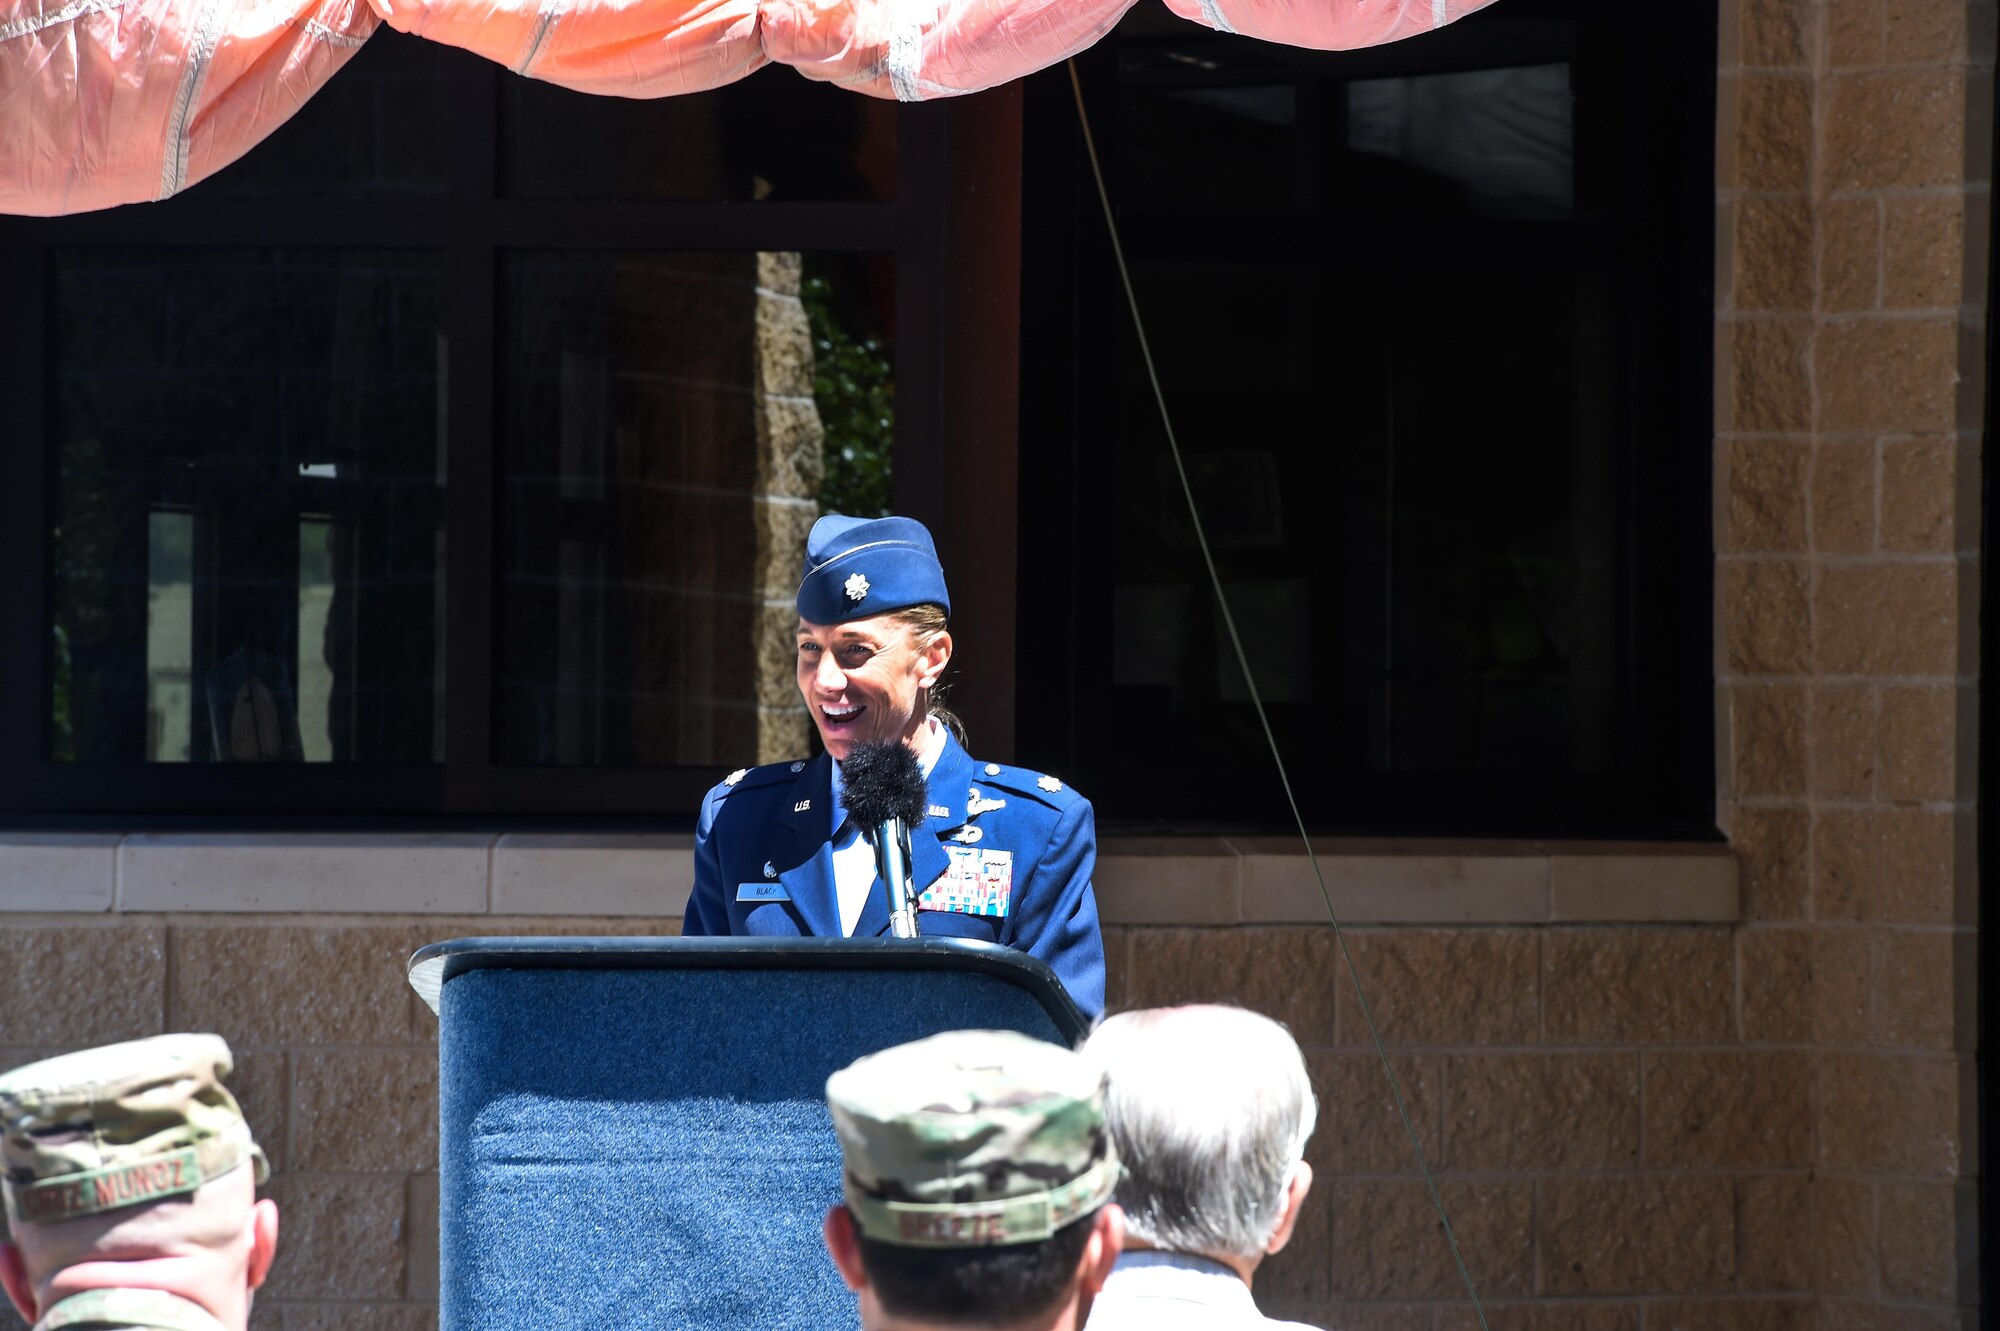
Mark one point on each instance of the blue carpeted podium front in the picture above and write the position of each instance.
(632, 1130)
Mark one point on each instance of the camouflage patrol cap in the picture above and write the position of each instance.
(119, 1126)
(972, 1139)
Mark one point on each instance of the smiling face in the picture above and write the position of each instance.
(866, 680)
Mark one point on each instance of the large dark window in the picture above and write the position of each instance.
(451, 456)
(1433, 323)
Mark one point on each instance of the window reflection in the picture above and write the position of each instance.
(671, 424)
(247, 536)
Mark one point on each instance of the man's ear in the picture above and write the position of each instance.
(1296, 1188)
(14, 1276)
(263, 1240)
(1100, 1253)
(844, 1245)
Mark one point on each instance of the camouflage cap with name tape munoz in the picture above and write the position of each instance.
(972, 1139)
(120, 1125)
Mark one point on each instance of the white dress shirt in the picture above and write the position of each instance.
(1172, 1291)
(853, 857)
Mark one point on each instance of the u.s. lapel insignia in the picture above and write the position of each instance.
(802, 806)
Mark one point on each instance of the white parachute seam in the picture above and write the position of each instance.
(1440, 13)
(201, 54)
(906, 51)
(333, 36)
(1212, 15)
(545, 23)
(69, 13)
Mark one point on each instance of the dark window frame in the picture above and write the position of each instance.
(1073, 303)
(953, 232)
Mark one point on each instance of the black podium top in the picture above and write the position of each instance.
(431, 966)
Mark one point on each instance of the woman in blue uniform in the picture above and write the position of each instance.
(1004, 854)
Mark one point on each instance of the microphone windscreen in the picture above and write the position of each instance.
(883, 781)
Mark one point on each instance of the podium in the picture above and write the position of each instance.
(632, 1131)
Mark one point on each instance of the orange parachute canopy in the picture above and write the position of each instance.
(105, 102)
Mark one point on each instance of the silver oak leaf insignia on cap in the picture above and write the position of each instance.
(857, 587)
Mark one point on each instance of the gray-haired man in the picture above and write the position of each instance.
(1210, 1109)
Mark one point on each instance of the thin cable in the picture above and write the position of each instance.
(1257, 700)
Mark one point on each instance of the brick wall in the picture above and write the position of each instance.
(1853, 208)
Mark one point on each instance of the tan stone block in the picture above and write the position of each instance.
(1774, 253)
(779, 525)
(1541, 1111)
(1925, 31)
(1842, 986)
(1843, 1236)
(1837, 1315)
(1461, 987)
(420, 1281)
(342, 1237)
(1291, 975)
(1929, 1243)
(53, 989)
(1117, 967)
(1634, 1235)
(1884, 865)
(1772, 33)
(1894, 1112)
(1843, 498)
(299, 871)
(1902, 129)
(365, 1110)
(1732, 1315)
(1168, 880)
(1850, 255)
(1842, 744)
(1638, 986)
(1923, 252)
(1774, 133)
(359, 1317)
(1404, 886)
(1924, 990)
(1729, 1109)
(1774, 975)
(1854, 32)
(1359, 1129)
(1773, 1226)
(301, 984)
(1919, 749)
(781, 271)
(1887, 375)
(1766, 509)
(1683, 884)
(1388, 1245)
(784, 346)
(1771, 848)
(1564, 1316)
(1920, 488)
(1766, 623)
(1767, 736)
(1359, 1316)
(1302, 1273)
(261, 1083)
(1769, 375)
(1887, 619)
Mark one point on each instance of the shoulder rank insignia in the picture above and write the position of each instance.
(735, 776)
(1049, 784)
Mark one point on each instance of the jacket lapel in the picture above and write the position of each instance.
(809, 849)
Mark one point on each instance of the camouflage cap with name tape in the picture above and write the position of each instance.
(119, 1126)
(972, 1139)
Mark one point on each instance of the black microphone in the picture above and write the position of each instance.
(885, 792)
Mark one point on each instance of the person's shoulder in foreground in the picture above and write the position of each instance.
(1210, 1108)
(977, 1182)
(130, 1182)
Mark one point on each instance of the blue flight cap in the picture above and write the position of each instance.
(857, 567)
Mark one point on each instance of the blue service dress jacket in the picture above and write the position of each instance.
(997, 838)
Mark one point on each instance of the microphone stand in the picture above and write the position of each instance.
(892, 863)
